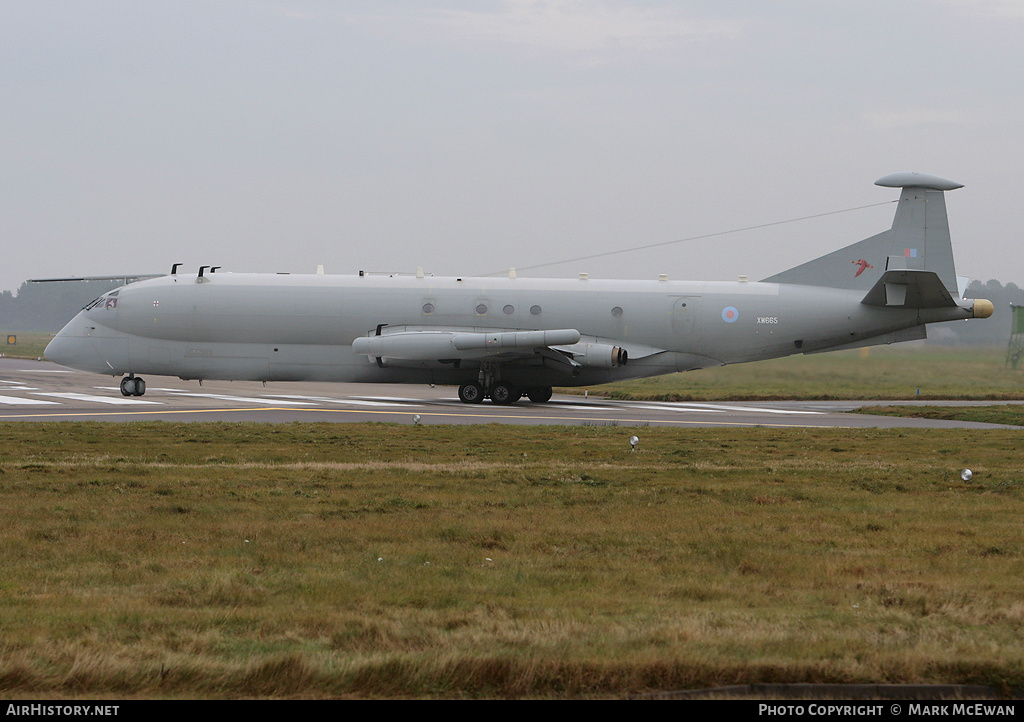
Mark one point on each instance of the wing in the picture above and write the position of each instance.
(417, 346)
(126, 278)
(406, 346)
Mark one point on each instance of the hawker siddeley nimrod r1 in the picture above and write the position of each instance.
(511, 337)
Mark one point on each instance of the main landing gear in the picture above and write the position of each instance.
(133, 385)
(471, 393)
(502, 393)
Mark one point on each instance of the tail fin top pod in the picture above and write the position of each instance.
(918, 240)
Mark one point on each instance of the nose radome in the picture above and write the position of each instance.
(77, 347)
(71, 349)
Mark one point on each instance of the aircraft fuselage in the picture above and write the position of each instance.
(278, 327)
(508, 337)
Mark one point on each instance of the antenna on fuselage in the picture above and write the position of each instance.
(174, 268)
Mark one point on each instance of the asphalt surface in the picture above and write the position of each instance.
(42, 391)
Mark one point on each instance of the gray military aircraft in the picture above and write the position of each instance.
(512, 337)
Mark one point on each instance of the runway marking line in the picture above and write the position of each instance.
(18, 401)
(73, 396)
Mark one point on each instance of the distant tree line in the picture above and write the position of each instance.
(46, 307)
(994, 331)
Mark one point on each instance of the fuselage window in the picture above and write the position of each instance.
(428, 308)
(535, 310)
(481, 309)
(509, 309)
(617, 311)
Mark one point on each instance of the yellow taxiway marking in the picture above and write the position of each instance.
(538, 419)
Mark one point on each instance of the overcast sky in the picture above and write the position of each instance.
(468, 137)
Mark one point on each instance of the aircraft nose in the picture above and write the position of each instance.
(76, 348)
(72, 350)
(66, 350)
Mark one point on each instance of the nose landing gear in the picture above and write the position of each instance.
(133, 385)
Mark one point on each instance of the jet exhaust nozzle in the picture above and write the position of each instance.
(599, 355)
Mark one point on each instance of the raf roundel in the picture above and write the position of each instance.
(730, 314)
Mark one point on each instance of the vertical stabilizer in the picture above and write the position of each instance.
(918, 240)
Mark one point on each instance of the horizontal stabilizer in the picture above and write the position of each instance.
(914, 179)
(909, 289)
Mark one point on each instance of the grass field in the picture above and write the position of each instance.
(28, 345)
(246, 560)
(1011, 415)
(888, 372)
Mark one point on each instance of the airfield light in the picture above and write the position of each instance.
(416, 419)
(633, 441)
(966, 474)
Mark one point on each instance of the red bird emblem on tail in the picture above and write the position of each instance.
(862, 265)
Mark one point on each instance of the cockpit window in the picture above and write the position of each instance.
(107, 300)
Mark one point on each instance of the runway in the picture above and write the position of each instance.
(42, 391)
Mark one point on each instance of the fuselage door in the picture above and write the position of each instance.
(685, 313)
